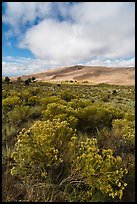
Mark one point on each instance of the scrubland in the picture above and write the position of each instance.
(68, 142)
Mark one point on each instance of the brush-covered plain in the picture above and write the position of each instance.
(68, 142)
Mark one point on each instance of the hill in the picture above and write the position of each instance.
(92, 74)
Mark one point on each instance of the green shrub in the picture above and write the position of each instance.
(57, 158)
(56, 110)
(116, 112)
(8, 133)
(7, 80)
(124, 131)
(99, 170)
(5, 94)
(22, 114)
(41, 148)
(47, 148)
(52, 99)
(67, 95)
(35, 112)
(33, 100)
(19, 114)
(26, 82)
(82, 103)
(10, 102)
(33, 78)
(92, 118)
(35, 91)
(19, 80)
(25, 94)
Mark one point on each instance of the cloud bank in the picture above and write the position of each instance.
(62, 34)
(17, 66)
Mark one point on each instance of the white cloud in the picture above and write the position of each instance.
(20, 13)
(20, 66)
(87, 30)
(57, 41)
(17, 66)
(112, 62)
(104, 29)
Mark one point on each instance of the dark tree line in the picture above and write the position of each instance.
(19, 80)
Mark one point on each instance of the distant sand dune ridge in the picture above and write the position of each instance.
(92, 74)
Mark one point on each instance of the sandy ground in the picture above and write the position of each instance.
(95, 75)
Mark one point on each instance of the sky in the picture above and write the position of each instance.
(37, 36)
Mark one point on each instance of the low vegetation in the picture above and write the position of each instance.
(67, 142)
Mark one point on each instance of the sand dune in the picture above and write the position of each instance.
(92, 74)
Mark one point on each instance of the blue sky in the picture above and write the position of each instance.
(37, 36)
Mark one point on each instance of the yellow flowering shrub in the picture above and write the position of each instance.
(125, 131)
(47, 144)
(10, 102)
(100, 169)
(64, 113)
(41, 147)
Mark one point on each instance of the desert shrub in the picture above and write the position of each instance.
(19, 80)
(43, 152)
(19, 114)
(33, 78)
(8, 131)
(34, 91)
(116, 112)
(54, 160)
(14, 93)
(85, 82)
(29, 79)
(42, 148)
(67, 95)
(33, 100)
(114, 92)
(76, 103)
(35, 112)
(130, 116)
(7, 80)
(52, 99)
(26, 82)
(92, 118)
(56, 110)
(70, 119)
(120, 138)
(22, 114)
(129, 192)
(106, 98)
(6, 155)
(124, 133)
(98, 170)
(5, 94)
(10, 102)
(25, 94)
